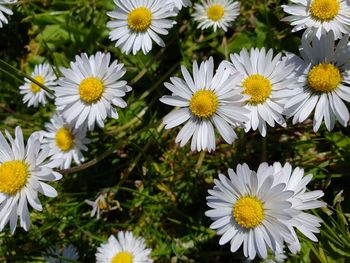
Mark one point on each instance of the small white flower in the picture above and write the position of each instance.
(319, 17)
(182, 3)
(207, 99)
(139, 22)
(267, 81)
(61, 255)
(4, 10)
(64, 141)
(125, 249)
(248, 209)
(302, 200)
(216, 13)
(33, 94)
(90, 89)
(99, 204)
(323, 75)
(22, 172)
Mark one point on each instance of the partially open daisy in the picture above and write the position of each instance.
(33, 94)
(247, 209)
(22, 172)
(323, 82)
(64, 141)
(5, 10)
(125, 249)
(207, 99)
(216, 13)
(90, 89)
(181, 3)
(301, 200)
(266, 80)
(138, 22)
(319, 17)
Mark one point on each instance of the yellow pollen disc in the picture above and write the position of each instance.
(91, 90)
(248, 212)
(324, 77)
(35, 88)
(64, 139)
(258, 87)
(324, 10)
(139, 19)
(203, 103)
(13, 176)
(122, 257)
(215, 12)
(102, 204)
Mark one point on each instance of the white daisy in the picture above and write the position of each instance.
(22, 172)
(61, 255)
(125, 249)
(267, 80)
(5, 10)
(90, 89)
(216, 13)
(302, 200)
(138, 22)
(99, 204)
(319, 17)
(205, 99)
(64, 141)
(34, 95)
(247, 208)
(182, 3)
(323, 82)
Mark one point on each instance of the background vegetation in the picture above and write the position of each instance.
(154, 188)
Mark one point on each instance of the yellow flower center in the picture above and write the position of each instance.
(91, 90)
(215, 12)
(13, 176)
(122, 257)
(324, 10)
(258, 87)
(324, 77)
(140, 19)
(203, 103)
(34, 87)
(64, 139)
(248, 212)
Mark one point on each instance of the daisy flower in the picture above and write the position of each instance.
(125, 249)
(138, 22)
(207, 99)
(23, 171)
(99, 204)
(319, 17)
(64, 141)
(323, 75)
(182, 3)
(247, 209)
(61, 255)
(90, 89)
(4, 10)
(302, 200)
(216, 13)
(33, 94)
(266, 80)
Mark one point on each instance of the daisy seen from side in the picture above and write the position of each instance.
(205, 100)
(216, 13)
(267, 81)
(64, 141)
(33, 93)
(23, 172)
(138, 23)
(319, 17)
(323, 75)
(90, 89)
(248, 210)
(124, 249)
